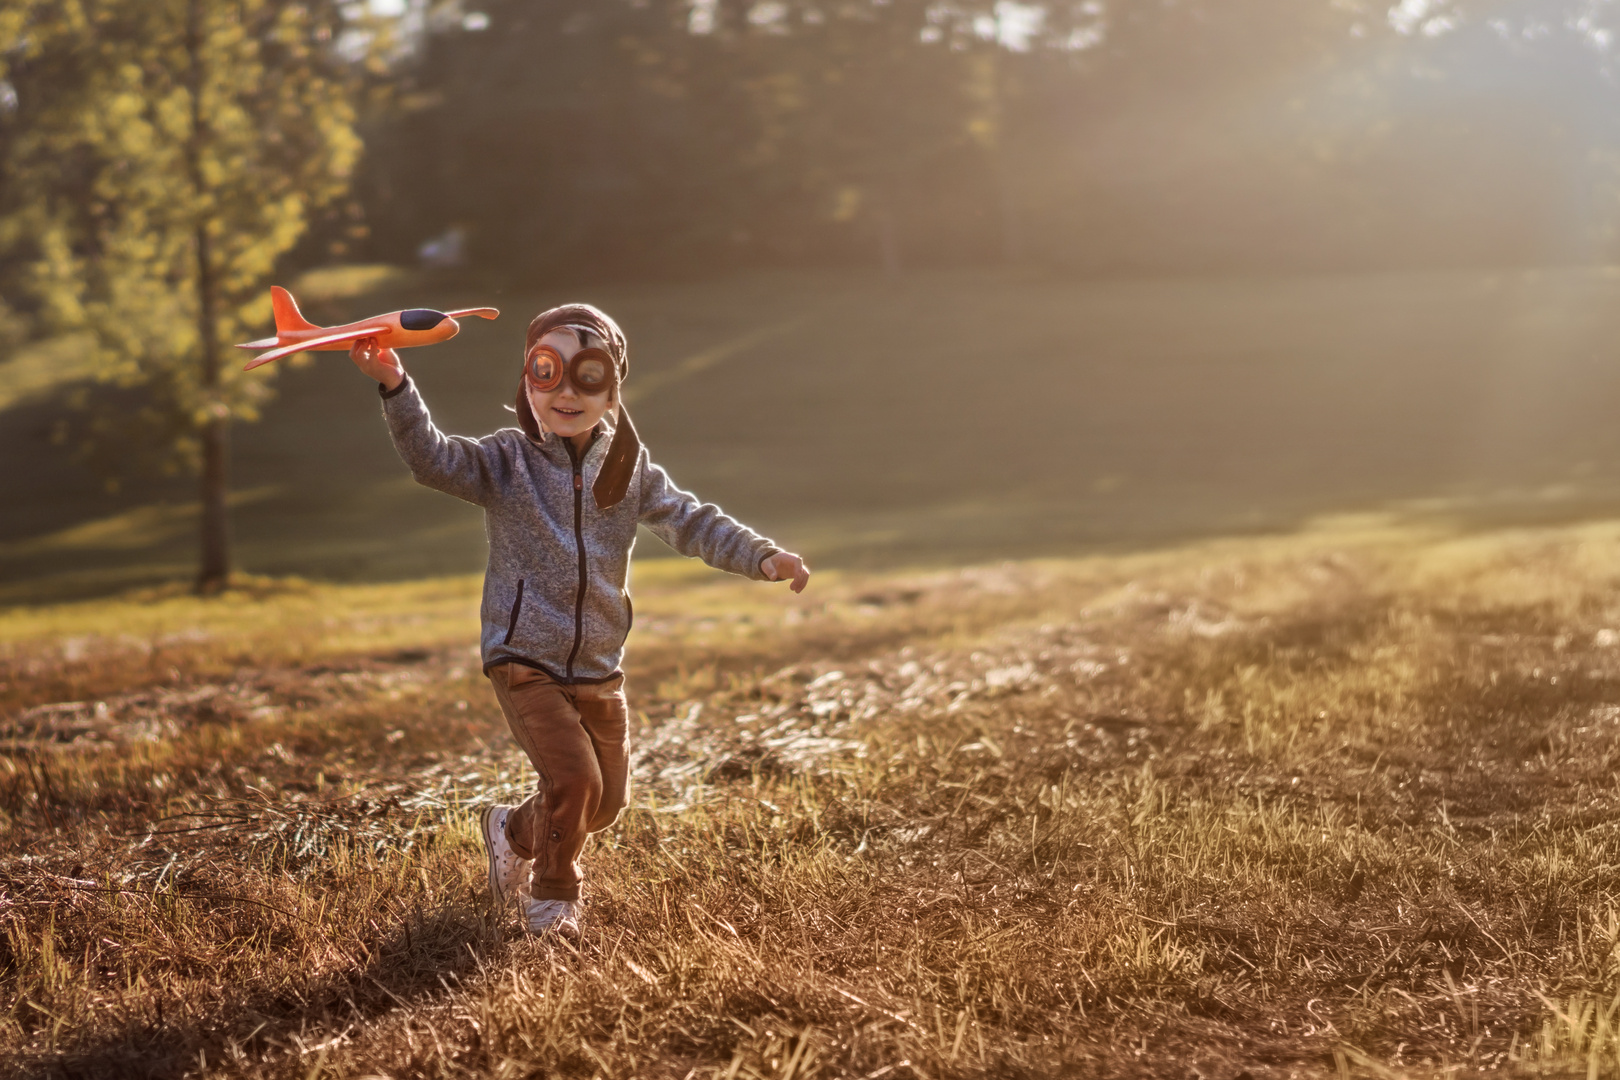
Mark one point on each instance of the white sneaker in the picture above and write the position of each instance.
(556, 916)
(506, 870)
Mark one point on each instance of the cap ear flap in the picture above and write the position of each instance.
(525, 415)
(613, 481)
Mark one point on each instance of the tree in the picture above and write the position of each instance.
(160, 156)
(673, 136)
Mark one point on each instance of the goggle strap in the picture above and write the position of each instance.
(613, 481)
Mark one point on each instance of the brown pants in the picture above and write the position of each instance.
(578, 740)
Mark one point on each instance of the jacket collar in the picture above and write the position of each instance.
(552, 446)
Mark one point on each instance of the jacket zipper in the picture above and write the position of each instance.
(579, 543)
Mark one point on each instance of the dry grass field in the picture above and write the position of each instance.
(1343, 802)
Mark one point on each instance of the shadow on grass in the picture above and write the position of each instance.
(423, 959)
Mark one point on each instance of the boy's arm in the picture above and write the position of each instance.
(469, 469)
(699, 529)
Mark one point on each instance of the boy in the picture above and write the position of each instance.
(561, 505)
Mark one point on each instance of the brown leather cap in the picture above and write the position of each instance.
(620, 465)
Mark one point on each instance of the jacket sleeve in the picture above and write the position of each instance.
(470, 469)
(699, 529)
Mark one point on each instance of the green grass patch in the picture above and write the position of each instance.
(938, 418)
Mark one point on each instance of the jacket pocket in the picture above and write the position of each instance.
(517, 606)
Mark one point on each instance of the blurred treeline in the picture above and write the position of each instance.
(561, 138)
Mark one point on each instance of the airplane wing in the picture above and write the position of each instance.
(481, 312)
(312, 343)
(262, 343)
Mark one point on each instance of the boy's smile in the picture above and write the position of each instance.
(565, 411)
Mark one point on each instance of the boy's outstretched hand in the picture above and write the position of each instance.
(381, 364)
(784, 565)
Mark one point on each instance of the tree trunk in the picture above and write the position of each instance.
(215, 568)
(888, 234)
(216, 560)
(1012, 232)
(888, 244)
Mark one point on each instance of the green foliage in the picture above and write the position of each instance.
(672, 136)
(162, 155)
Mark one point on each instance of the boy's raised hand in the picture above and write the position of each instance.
(380, 364)
(784, 565)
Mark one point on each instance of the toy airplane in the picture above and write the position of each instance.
(396, 330)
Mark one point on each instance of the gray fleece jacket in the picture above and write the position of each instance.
(555, 591)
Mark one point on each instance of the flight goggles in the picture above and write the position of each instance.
(591, 371)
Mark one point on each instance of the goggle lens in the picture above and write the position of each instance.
(545, 368)
(590, 372)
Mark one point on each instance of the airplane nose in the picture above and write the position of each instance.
(421, 318)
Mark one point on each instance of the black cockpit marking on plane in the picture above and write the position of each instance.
(421, 318)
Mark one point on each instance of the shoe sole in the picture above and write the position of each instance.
(495, 889)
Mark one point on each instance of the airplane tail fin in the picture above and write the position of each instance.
(288, 317)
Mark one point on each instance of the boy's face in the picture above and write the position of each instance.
(565, 411)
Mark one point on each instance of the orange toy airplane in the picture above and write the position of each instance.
(396, 330)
